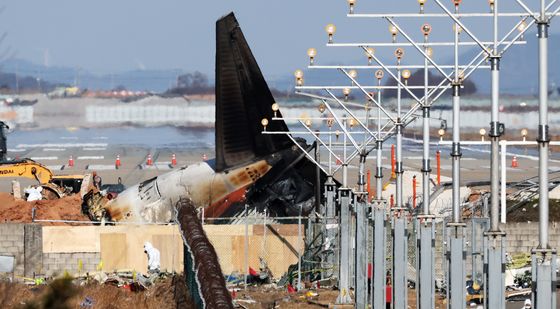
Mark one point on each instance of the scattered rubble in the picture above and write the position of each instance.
(80, 293)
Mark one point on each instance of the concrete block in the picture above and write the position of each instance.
(13, 249)
(93, 261)
(6, 243)
(48, 260)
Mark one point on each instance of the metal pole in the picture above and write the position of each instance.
(456, 242)
(379, 212)
(456, 147)
(544, 258)
(345, 248)
(330, 234)
(399, 168)
(426, 145)
(299, 285)
(361, 238)
(246, 249)
(379, 168)
(494, 238)
(543, 137)
(317, 177)
(425, 227)
(400, 262)
(344, 234)
(496, 130)
(503, 210)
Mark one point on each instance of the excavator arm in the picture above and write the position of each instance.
(26, 168)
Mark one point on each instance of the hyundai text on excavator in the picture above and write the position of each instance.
(54, 186)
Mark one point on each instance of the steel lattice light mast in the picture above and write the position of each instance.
(452, 80)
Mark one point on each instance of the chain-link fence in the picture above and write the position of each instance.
(279, 248)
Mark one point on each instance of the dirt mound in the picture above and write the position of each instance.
(66, 208)
(528, 211)
(15, 295)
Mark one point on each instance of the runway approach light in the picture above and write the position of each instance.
(275, 108)
(524, 133)
(491, 2)
(430, 52)
(521, 28)
(426, 29)
(308, 122)
(379, 74)
(394, 31)
(321, 108)
(351, 3)
(441, 133)
(457, 3)
(264, 123)
(299, 77)
(399, 53)
(346, 92)
(352, 122)
(370, 51)
(331, 29)
(459, 29)
(482, 133)
(406, 75)
(330, 122)
(312, 52)
(421, 2)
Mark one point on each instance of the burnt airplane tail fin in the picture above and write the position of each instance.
(243, 99)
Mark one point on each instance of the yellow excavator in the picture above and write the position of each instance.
(54, 186)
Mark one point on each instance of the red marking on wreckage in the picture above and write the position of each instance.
(219, 207)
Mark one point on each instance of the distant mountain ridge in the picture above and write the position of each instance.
(149, 80)
(519, 73)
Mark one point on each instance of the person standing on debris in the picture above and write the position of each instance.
(153, 258)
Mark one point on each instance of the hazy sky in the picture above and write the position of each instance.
(112, 36)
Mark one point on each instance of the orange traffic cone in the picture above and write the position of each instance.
(514, 162)
(118, 162)
(71, 161)
(149, 160)
(173, 160)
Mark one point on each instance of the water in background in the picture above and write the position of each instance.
(157, 137)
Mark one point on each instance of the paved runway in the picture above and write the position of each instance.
(97, 150)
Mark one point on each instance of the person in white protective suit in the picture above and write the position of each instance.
(34, 193)
(153, 258)
(527, 304)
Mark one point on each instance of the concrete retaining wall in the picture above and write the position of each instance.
(56, 263)
(11, 244)
(34, 254)
(522, 237)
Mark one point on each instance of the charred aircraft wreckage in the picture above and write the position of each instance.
(250, 168)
